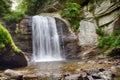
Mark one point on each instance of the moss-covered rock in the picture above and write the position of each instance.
(113, 52)
(6, 41)
(10, 55)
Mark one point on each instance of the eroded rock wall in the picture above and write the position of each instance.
(96, 15)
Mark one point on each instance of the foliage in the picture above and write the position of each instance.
(72, 13)
(110, 41)
(6, 40)
(100, 32)
(13, 17)
(4, 7)
(31, 7)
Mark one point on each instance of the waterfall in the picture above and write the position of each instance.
(46, 46)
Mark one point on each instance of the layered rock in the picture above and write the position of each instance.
(98, 14)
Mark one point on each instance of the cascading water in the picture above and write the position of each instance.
(46, 45)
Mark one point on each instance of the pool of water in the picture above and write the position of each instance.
(58, 68)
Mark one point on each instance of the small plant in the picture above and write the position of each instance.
(72, 13)
(110, 41)
(100, 32)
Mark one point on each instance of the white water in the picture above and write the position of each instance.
(46, 45)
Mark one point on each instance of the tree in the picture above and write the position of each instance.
(31, 7)
(4, 7)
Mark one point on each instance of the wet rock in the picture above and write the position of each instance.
(11, 74)
(66, 74)
(86, 78)
(72, 77)
(115, 70)
(67, 39)
(25, 25)
(106, 75)
(96, 77)
(80, 78)
(12, 60)
(101, 69)
(114, 52)
(3, 78)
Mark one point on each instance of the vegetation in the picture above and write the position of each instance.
(72, 13)
(6, 41)
(109, 41)
(31, 7)
(13, 17)
(4, 7)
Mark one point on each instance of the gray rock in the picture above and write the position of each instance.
(87, 35)
(12, 60)
(11, 74)
(72, 77)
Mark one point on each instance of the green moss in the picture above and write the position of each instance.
(6, 40)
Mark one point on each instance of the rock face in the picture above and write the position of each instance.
(10, 55)
(21, 34)
(53, 6)
(68, 40)
(104, 14)
(88, 34)
(12, 60)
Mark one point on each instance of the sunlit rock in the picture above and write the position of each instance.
(87, 35)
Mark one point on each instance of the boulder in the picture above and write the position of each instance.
(11, 74)
(113, 52)
(87, 35)
(12, 60)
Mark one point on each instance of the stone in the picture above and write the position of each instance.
(105, 14)
(25, 25)
(54, 7)
(51, 9)
(11, 74)
(12, 60)
(105, 75)
(108, 18)
(80, 78)
(72, 77)
(87, 35)
(68, 40)
(96, 77)
(117, 25)
(101, 69)
(114, 52)
(87, 78)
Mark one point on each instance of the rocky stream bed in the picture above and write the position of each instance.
(92, 69)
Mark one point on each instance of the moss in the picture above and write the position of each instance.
(6, 41)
